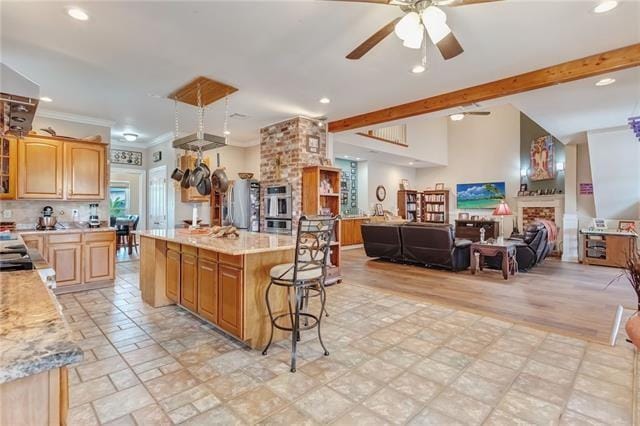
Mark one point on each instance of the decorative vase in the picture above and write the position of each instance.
(633, 330)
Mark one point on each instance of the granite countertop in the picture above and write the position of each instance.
(246, 243)
(69, 229)
(34, 337)
(355, 218)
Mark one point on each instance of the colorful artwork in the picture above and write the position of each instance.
(480, 195)
(586, 189)
(542, 158)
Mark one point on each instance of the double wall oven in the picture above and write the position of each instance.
(278, 209)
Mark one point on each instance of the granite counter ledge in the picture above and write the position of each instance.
(34, 336)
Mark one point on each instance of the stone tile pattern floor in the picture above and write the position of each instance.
(393, 361)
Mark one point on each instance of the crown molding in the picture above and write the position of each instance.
(76, 118)
(165, 137)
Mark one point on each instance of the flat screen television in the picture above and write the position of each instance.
(480, 195)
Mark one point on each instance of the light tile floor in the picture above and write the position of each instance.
(393, 361)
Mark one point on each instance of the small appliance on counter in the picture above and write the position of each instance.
(94, 220)
(47, 221)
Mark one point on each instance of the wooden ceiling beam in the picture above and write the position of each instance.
(601, 63)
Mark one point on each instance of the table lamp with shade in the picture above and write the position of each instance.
(502, 210)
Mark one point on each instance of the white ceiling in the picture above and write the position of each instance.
(283, 56)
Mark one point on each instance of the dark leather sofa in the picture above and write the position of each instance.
(425, 244)
(531, 250)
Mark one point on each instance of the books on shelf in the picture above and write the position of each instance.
(434, 198)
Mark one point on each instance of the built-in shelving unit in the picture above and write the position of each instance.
(607, 249)
(321, 196)
(408, 204)
(435, 206)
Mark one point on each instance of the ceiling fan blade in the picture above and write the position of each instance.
(449, 46)
(477, 113)
(365, 1)
(455, 3)
(372, 41)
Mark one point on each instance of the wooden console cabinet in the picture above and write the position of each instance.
(608, 248)
(350, 231)
(470, 229)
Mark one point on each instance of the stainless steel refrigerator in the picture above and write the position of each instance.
(246, 204)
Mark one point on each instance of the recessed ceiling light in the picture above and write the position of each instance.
(456, 117)
(78, 14)
(605, 6)
(346, 156)
(226, 132)
(417, 69)
(358, 158)
(46, 99)
(605, 81)
(411, 163)
(325, 100)
(130, 137)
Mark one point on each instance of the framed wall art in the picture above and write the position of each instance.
(157, 156)
(542, 159)
(119, 156)
(313, 144)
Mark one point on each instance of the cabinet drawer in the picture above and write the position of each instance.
(99, 236)
(64, 238)
(230, 260)
(208, 254)
(173, 246)
(190, 250)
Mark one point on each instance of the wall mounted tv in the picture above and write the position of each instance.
(480, 195)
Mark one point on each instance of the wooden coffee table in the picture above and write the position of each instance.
(506, 248)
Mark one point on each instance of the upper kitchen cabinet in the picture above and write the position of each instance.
(40, 168)
(84, 168)
(8, 168)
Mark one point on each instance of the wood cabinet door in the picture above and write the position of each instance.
(8, 168)
(208, 289)
(40, 168)
(230, 299)
(189, 282)
(66, 260)
(84, 166)
(173, 275)
(99, 261)
(35, 242)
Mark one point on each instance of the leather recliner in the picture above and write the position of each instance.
(426, 244)
(531, 249)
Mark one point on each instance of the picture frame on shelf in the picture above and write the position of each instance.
(439, 186)
(627, 225)
(463, 216)
(379, 209)
(404, 184)
(599, 224)
(326, 162)
(524, 187)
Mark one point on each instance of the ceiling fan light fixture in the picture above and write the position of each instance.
(456, 117)
(408, 26)
(415, 40)
(435, 20)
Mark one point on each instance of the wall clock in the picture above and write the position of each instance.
(381, 193)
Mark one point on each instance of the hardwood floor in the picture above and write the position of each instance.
(566, 298)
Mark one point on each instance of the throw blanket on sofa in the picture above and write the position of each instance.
(552, 229)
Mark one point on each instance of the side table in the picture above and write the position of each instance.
(507, 249)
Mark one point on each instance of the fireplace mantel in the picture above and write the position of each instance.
(540, 197)
(555, 201)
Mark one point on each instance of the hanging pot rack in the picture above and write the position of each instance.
(200, 93)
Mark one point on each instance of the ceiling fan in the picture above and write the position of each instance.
(460, 115)
(420, 16)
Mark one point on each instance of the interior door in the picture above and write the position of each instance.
(158, 198)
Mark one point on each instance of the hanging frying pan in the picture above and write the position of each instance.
(177, 174)
(185, 179)
(204, 187)
(219, 179)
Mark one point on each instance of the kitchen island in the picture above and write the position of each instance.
(221, 280)
(36, 345)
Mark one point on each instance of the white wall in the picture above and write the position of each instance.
(363, 186)
(586, 207)
(389, 176)
(615, 168)
(481, 149)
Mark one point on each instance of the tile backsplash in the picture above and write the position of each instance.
(26, 212)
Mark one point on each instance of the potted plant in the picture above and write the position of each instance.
(631, 271)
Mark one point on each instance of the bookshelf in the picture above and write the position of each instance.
(321, 196)
(408, 201)
(435, 206)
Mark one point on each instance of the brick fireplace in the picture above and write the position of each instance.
(284, 152)
(550, 207)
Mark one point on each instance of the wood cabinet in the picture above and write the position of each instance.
(351, 232)
(84, 170)
(191, 195)
(470, 229)
(189, 282)
(173, 275)
(66, 260)
(8, 168)
(35, 242)
(230, 299)
(608, 249)
(99, 261)
(40, 164)
(208, 289)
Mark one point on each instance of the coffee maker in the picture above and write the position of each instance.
(94, 220)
